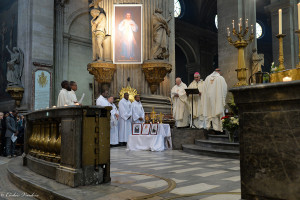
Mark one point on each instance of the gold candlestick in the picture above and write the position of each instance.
(298, 33)
(153, 115)
(241, 44)
(161, 116)
(281, 58)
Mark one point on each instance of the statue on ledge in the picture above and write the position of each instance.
(15, 67)
(161, 34)
(98, 24)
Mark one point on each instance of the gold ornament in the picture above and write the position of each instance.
(42, 80)
(131, 91)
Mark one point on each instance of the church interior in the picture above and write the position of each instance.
(150, 99)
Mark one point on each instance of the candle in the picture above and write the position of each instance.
(286, 79)
(240, 20)
(298, 16)
(233, 24)
(280, 20)
(54, 107)
(251, 28)
(228, 32)
(247, 23)
(239, 28)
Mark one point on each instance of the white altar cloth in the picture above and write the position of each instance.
(158, 142)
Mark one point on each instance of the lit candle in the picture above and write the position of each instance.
(228, 32)
(251, 28)
(247, 23)
(240, 20)
(239, 28)
(286, 79)
(54, 107)
(66, 105)
(233, 24)
(280, 20)
(298, 16)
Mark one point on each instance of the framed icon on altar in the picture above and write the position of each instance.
(136, 129)
(127, 34)
(154, 129)
(146, 129)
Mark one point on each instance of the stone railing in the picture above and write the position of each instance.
(70, 145)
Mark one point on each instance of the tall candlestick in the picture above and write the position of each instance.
(251, 28)
(228, 32)
(239, 28)
(233, 24)
(298, 16)
(280, 20)
(247, 23)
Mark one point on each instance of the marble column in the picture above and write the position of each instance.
(289, 26)
(228, 55)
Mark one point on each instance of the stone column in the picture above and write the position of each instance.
(228, 55)
(290, 41)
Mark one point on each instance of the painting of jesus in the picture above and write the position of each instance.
(128, 34)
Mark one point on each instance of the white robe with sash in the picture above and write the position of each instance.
(124, 120)
(114, 129)
(137, 112)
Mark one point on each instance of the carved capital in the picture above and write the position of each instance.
(102, 71)
(16, 93)
(155, 73)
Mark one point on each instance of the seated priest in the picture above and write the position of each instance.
(180, 104)
(197, 101)
(124, 119)
(215, 89)
(114, 117)
(138, 114)
(64, 98)
(102, 100)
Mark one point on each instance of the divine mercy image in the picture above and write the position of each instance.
(128, 34)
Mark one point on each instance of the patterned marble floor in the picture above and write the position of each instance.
(192, 174)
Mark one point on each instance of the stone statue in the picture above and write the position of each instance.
(257, 61)
(98, 24)
(161, 34)
(15, 67)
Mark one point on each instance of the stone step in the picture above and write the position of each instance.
(195, 149)
(223, 138)
(218, 144)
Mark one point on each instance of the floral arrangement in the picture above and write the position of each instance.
(274, 68)
(230, 124)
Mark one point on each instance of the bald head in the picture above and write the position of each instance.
(178, 81)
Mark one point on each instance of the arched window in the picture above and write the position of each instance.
(177, 8)
(259, 30)
(216, 21)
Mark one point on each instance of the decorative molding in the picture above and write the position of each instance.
(102, 71)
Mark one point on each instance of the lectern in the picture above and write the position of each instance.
(192, 92)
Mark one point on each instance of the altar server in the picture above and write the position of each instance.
(138, 114)
(125, 119)
(72, 94)
(180, 104)
(102, 100)
(215, 89)
(114, 117)
(197, 101)
(64, 98)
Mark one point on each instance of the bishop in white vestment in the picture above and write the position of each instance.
(214, 101)
(125, 118)
(138, 114)
(199, 121)
(64, 98)
(180, 104)
(114, 117)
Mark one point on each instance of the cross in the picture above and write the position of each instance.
(153, 115)
(161, 116)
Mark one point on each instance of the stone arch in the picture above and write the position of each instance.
(187, 49)
(73, 16)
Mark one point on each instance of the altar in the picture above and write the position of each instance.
(159, 142)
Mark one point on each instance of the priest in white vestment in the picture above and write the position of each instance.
(102, 99)
(125, 119)
(114, 117)
(215, 89)
(72, 94)
(180, 104)
(198, 118)
(64, 98)
(138, 114)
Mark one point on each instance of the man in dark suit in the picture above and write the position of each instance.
(11, 129)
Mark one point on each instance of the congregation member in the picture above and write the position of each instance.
(197, 101)
(215, 89)
(2, 134)
(125, 119)
(138, 114)
(11, 129)
(180, 104)
(64, 98)
(114, 118)
(102, 99)
(72, 94)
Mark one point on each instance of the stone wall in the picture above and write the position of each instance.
(182, 136)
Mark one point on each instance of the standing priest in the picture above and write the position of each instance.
(138, 114)
(64, 98)
(180, 104)
(102, 100)
(214, 101)
(197, 101)
(125, 119)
